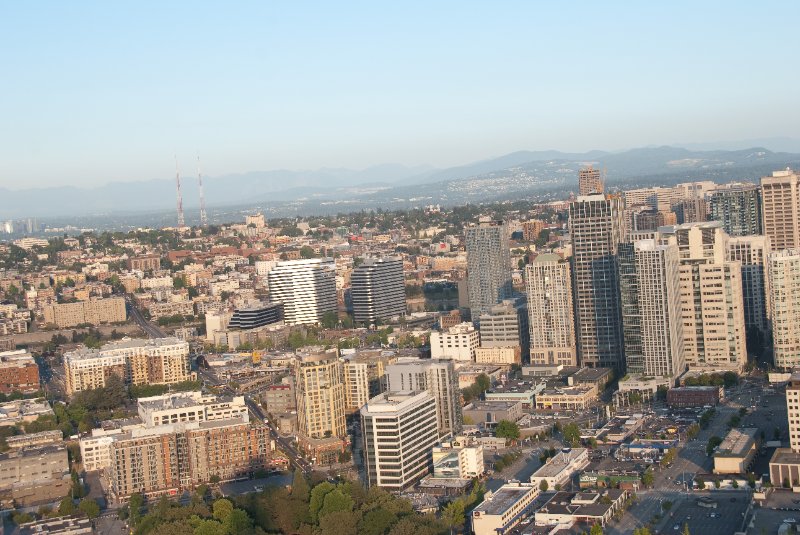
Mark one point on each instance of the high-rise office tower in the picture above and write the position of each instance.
(596, 227)
(589, 181)
(784, 283)
(711, 298)
(488, 265)
(738, 206)
(319, 387)
(752, 253)
(377, 290)
(691, 210)
(651, 308)
(437, 376)
(399, 430)
(780, 197)
(307, 289)
(550, 312)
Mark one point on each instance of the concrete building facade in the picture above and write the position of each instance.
(488, 265)
(596, 228)
(551, 319)
(399, 430)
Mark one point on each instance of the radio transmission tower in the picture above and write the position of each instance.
(203, 217)
(181, 220)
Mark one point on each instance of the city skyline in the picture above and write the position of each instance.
(109, 95)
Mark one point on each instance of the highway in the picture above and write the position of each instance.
(151, 330)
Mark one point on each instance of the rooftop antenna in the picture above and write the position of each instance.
(203, 217)
(181, 220)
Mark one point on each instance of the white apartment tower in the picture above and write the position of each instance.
(651, 313)
(377, 290)
(399, 435)
(440, 379)
(550, 312)
(319, 387)
(711, 298)
(307, 289)
(784, 283)
(597, 228)
(780, 195)
(488, 265)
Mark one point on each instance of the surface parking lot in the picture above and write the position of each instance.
(725, 519)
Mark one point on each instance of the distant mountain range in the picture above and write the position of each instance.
(283, 192)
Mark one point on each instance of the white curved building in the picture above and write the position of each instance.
(307, 289)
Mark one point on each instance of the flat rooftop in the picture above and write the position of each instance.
(785, 456)
(502, 500)
(738, 442)
(559, 463)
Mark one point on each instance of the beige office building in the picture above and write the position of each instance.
(711, 298)
(784, 282)
(550, 314)
(319, 387)
(780, 195)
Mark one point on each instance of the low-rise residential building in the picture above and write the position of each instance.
(503, 509)
(18, 371)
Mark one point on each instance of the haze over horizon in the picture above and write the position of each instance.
(98, 93)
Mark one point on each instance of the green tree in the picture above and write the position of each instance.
(597, 529)
(89, 507)
(713, 442)
(572, 434)
(336, 500)
(238, 523)
(66, 507)
(307, 252)
(222, 509)
(686, 529)
(317, 499)
(339, 523)
(376, 522)
(300, 486)
(544, 485)
(647, 478)
(453, 514)
(507, 429)
(209, 527)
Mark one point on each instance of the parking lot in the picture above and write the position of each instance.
(725, 519)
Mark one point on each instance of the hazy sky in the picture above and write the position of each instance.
(92, 92)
